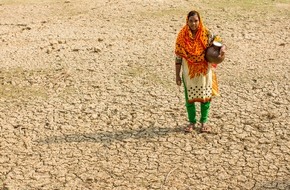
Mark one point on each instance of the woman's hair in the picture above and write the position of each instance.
(192, 13)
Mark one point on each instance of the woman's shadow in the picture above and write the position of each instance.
(109, 137)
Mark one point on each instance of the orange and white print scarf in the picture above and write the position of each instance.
(193, 48)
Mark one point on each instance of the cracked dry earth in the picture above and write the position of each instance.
(88, 97)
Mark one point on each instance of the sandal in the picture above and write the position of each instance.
(205, 129)
(189, 128)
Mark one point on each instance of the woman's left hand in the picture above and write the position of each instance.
(222, 51)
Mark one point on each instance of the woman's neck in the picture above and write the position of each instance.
(193, 31)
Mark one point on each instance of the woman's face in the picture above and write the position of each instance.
(193, 22)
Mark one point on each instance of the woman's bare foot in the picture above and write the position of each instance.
(205, 128)
(189, 128)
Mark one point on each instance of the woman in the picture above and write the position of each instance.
(198, 77)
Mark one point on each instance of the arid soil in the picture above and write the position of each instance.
(88, 98)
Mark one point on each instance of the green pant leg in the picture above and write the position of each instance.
(190, 107)
(204, 107)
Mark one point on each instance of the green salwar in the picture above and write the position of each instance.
(191, 111)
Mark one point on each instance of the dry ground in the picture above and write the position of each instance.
(88, 97)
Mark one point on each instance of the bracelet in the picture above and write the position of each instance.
(178, 60)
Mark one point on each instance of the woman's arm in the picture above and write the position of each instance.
(178, 62)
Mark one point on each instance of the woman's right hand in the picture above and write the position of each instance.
(178, 80)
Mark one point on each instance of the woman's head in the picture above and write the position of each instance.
(193, 20)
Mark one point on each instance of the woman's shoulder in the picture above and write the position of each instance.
(208, 32)
(209, 35)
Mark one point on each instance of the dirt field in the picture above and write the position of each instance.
(88, 97)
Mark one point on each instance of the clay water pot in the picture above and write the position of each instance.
(212, 54)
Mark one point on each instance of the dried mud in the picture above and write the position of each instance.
(88, 97)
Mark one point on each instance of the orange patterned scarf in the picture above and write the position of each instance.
(193, 48)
